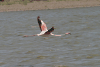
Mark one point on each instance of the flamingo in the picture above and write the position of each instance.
(44, 30)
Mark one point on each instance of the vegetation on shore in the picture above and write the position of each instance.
(10, 2)
(22, 5)
(24, 2)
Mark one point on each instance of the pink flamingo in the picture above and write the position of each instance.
(44, 30)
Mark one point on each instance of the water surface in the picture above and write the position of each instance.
(81, 49)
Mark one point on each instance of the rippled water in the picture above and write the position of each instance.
(81, 49)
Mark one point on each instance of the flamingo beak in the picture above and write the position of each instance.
(70, 33)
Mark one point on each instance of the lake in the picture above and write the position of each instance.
(80, 49)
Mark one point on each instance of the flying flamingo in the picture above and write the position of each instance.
(44, 30)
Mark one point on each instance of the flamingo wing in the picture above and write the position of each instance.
(50, 30)
(42, 25)
(39, 22)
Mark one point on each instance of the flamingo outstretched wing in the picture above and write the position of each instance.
(42, 25)
(49, 31)
(39, 22)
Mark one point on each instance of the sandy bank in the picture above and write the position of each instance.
(51, 4)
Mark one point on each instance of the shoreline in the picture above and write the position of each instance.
(44, 5)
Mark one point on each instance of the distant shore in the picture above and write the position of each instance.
(49, 4)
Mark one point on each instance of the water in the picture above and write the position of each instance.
(81, 49)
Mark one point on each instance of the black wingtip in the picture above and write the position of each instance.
(38, 17)
(53, 28)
